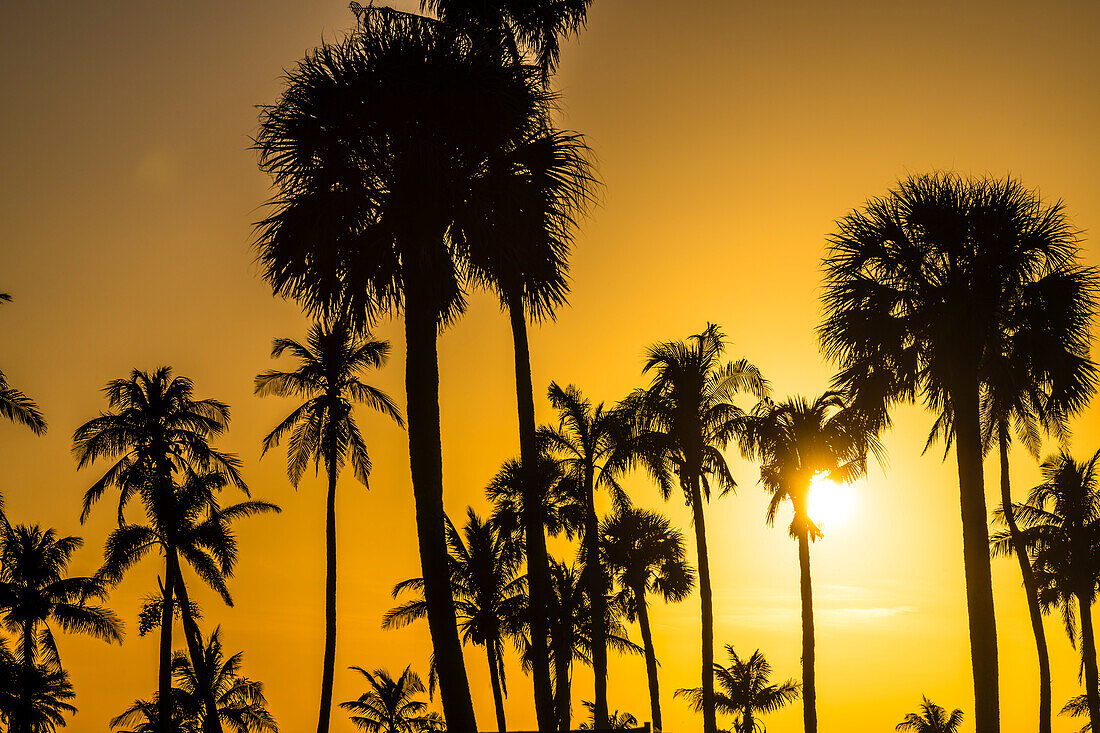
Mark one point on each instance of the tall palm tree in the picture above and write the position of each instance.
(644, 554)
(682, 421)
(240, 701)
(1060, 528)
(932, 719)
(916, 287)
(16, 406)
(35, 591)
(322, 429)
(746, 691)
(489, 595)
(373, 176)
(582, 442)
(389, 705)
(796, 440)
(155, 430)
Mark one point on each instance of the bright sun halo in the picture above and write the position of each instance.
(831, 504)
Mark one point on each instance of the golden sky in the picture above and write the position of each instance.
(730, 135)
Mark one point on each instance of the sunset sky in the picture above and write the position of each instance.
(730, 137)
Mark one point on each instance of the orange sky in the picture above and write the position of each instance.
(730, 136)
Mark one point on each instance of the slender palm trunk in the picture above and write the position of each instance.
(650, 658)
(330, 601)
(27, 692)
(710, 722)
(979, 582)
(809, 685)
(597, 597)
(1031, 590)
(494, 678)
(1088, 659)
(426, 462)
(164, 688)
(538, 569)
(211, 721)
(563, 688)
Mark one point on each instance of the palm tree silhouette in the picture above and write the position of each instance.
(154, 430)
(746, 692)
(389, 705)
(583, 440)
(615, 719)
(35, 699)
(794, 441)
(1060, 528)
(1077, 707)
(414, 115)
(916, 287)
(932, 719)
(16, 406)
(644, 554)
(322, 429)
(683, 420)
(35, 591)
(489, 595)
(189, 524)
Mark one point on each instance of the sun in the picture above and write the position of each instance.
(831, 503)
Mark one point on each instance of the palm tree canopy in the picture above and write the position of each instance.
(615, 719)
(328, 374)
(389, 705)
(1060, 527)
(560, 510)
(16, 406)
(35, 699)
(1078, 707)
(745, 690)
(644, 553)
(931, 719)
(377, 147)
(921, 285)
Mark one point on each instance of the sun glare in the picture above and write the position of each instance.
(831, 503)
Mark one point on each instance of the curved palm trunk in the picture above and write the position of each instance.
(809, 684)
(212, 720)
(1031, 590)
(426, 463)
(710, 722)
(597, 597)
(538, 569)
(164, 687)
(494, 678)
(328, 670)
(1088, 660)
(979, 582)
(650, 658)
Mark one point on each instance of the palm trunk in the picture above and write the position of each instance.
(710, 722)
(211, 721)
(1031, 590)
(164, 688)
(650, 658)
(979, 582)
(748, 725)
(1088, 659)
(597, 589)
(809, 685)
(328, 670)
(426, 462)
(538, 573)
(26, 692)
(494, 678)
(563, 690)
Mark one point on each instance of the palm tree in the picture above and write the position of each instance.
(683, 420)
(323, 429)
(644, 554)
(931, 719)
(615, 719)
(1078, 707)
(746, 692)
(582, 442)
(389, 705)
(795, 441)
(143, 716)
(188, 524)
(35, 699)
(16, 406)
(365, 219)
(916, 287)
(489, 595)
(1060, 528)
(35, 591)
(240, 701)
